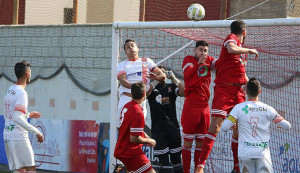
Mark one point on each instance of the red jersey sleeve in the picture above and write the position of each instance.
(137, 124)
(189, 68)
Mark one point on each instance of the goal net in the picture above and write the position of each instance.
(277, 68)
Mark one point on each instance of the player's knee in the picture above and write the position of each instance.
(187, 143)
(199, 143)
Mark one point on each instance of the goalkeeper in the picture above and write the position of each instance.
(165, 128)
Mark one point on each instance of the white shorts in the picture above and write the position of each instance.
(256, 165)
(19, 154)
(125, 99)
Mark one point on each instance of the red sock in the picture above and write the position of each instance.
(197, 155)
(207, 146)
(234, 148)
(186, 159)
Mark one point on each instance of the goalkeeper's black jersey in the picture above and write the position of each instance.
(162, 101)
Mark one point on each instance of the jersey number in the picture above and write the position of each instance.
(122, 117)
(254, 123)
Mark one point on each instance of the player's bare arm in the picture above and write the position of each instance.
(170, 75)
(124, 82)
(157, 74)
(141, 140)
(234, 49)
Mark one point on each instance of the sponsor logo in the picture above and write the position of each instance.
(12, 92)
(10, 128)
(202, 71)
(246, 109)
(251, 144)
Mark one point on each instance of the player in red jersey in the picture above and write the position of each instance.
(131, 133)
(228, 91)
(195, 117)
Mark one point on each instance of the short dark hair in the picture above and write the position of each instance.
(137, 90)
(253, 87)
(237, 27)
(129, 40)
(162, 67)
(201, 43)
(21, 67)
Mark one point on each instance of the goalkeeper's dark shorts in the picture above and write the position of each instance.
(167, 141)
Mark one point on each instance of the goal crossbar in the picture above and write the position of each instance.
(206, 24)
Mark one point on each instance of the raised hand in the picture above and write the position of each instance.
(170, 74)
(202, 59)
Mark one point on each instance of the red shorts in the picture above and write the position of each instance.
(225, 98)
(195, 121)
(137, 164)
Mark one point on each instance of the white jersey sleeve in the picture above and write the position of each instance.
(151, 64)
(121, 69)
(272, 113)
(20, 119)
(21, 102)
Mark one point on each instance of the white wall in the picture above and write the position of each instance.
(63, 92)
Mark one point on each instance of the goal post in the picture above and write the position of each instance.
(157, 40)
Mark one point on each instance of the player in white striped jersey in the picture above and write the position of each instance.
(254, 119)
(17, 145)
(135, 69)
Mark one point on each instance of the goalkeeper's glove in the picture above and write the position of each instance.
(170, 75)
(154, 83)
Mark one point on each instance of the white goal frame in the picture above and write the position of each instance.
(116, 26)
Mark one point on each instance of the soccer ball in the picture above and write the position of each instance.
(196, 12)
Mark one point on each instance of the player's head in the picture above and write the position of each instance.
(138, 90)
(201, 48)
(253, 87)
(130, 47)
(23, 70)
(238, 27)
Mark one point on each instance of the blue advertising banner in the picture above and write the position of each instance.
(3, 159)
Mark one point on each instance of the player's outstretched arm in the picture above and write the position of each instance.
(282, 123)
(228, 123)
(234, 49)
(152, 86)
(158, 75)
(170, 75)
(141, 140)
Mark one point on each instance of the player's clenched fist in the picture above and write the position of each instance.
(152, 143)
(40, 138)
